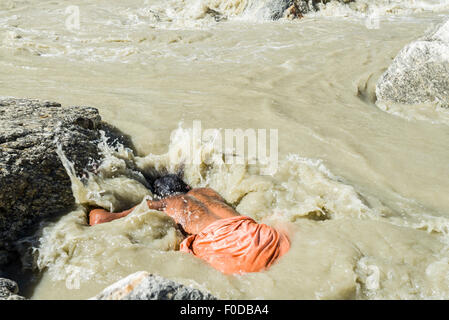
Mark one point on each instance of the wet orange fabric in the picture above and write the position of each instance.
(237, 245)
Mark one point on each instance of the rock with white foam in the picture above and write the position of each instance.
(276, 9)
(420, 72)
(33, 182)
(145, 286)
(9, 290)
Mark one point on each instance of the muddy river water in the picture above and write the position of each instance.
(362, 192)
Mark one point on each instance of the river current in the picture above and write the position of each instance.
(362, 190)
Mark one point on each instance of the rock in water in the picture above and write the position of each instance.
(420, 72)
(144, 286)
(276, 9)
(33, 182)
(9, 290)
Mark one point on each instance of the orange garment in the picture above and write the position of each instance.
(237, 245)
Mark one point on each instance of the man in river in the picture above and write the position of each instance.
(218, 234)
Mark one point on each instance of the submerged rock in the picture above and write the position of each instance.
(33, 181)
(145, 286)
(420, 72)
(276, 9)
(313, 5)
(9, 290)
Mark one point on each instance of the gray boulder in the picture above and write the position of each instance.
(420, 72)
(33, 182)
(145, 286)
(9, 290)
(276, 9)
(272, 9)
(313, 5)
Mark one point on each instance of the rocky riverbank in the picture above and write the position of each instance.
(419, 74)
(35, 185)
(33, 180)
(144, 286)
(9, 290)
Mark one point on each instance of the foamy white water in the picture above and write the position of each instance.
(363, 192)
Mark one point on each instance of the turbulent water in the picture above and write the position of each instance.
(361, 192)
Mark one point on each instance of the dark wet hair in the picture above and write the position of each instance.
(168, 185)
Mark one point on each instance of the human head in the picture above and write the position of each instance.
(168, 185)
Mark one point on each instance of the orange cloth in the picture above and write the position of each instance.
(237, 245)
